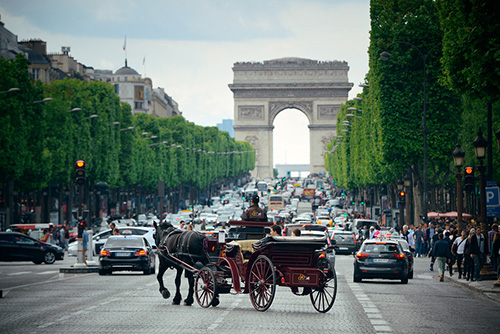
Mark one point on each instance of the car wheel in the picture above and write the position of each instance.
(153, 270)
(410, 275)
(37, 262)
(102, 272)
(404, 279)
(147, 271)
(356, 279)
(49, 257)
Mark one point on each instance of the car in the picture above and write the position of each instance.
(16, 246)
(380, 259)
(127, 253)
(99, 239)
(345, 242)
(324, 220)
(409, 255)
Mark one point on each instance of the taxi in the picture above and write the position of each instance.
(381, 258)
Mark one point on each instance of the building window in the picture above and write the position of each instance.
(117, 89)
(138, 105)
(36, 74)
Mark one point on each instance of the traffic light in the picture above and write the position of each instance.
(80, 172)
(469, 178)
(80, 227)
(402, 195)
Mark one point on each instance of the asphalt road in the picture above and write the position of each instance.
(40, 300)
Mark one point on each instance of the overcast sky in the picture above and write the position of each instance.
(190, 46)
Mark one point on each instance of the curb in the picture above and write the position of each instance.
(493, 295)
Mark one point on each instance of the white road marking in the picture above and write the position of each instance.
(48, 272)
(19, 273)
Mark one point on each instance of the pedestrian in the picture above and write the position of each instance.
(296, 233)
(85, 241)
(45, 236)
(450, 244)
(62, 239)
(496, 253)
(491, 236)
(458, 250)
(181, 225)
(112, 226)
(66, 236)
(190, 227)
(441, 251)
(203, 226)
(477, 248)
(419, 241)
(468, 261)
(116, 231)
(434, 239)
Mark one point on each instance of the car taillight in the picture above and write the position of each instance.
(105, 253)
(362, 255)
(398, 256)
(141, 252)
(322, 255)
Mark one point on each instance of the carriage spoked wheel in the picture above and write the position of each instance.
(323, 296)
(262, 281)
(205, 287)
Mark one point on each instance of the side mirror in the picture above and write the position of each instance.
(333, 241)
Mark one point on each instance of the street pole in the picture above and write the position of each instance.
(460, 200)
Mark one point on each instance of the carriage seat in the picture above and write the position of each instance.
(245, 247)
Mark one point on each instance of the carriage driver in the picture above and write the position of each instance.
(254, 212)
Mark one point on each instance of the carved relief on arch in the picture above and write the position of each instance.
(328, 111)
(254, 141)
(251, 112)
(305, 106)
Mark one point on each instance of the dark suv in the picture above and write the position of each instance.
(381, 259)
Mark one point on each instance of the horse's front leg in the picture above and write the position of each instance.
(161, 271)
(178, 297)
(189, 300)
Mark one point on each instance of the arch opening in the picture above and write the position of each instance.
(291, 140)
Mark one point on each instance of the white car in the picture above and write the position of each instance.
(99, 239)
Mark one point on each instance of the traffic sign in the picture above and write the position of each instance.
(492, 196)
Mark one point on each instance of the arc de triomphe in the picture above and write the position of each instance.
(262, 90)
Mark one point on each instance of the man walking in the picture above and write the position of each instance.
(441, 251)
(477, 248)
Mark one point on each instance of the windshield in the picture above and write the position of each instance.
(380, 248)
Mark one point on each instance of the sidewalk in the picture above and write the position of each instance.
(484, 287)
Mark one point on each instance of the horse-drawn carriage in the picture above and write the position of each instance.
(255, 264)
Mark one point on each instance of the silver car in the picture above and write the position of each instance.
(99, 239)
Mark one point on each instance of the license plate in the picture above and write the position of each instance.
(343, 248)
(122, 254)
(380, 260)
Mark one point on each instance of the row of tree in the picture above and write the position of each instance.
(40, 141)
(455, 45)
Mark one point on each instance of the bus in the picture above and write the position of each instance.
(275, 202)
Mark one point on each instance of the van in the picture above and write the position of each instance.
(303, 207)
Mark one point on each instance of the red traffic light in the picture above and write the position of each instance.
(402, 193)
(469, 170)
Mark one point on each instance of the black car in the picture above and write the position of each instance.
(16, 246)
(381, 259)
(127, 253)
(345, 242)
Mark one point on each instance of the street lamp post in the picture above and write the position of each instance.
(400, 186)
(458, 161)
(385, 55)
(480, 145)
(408, 186)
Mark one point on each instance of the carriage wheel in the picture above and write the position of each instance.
(323, 296)
(205, 287)
(262, 281)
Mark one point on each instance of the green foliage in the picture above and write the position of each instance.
(40, 142)
(471, 47)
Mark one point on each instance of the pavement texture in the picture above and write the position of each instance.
(485, 287)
